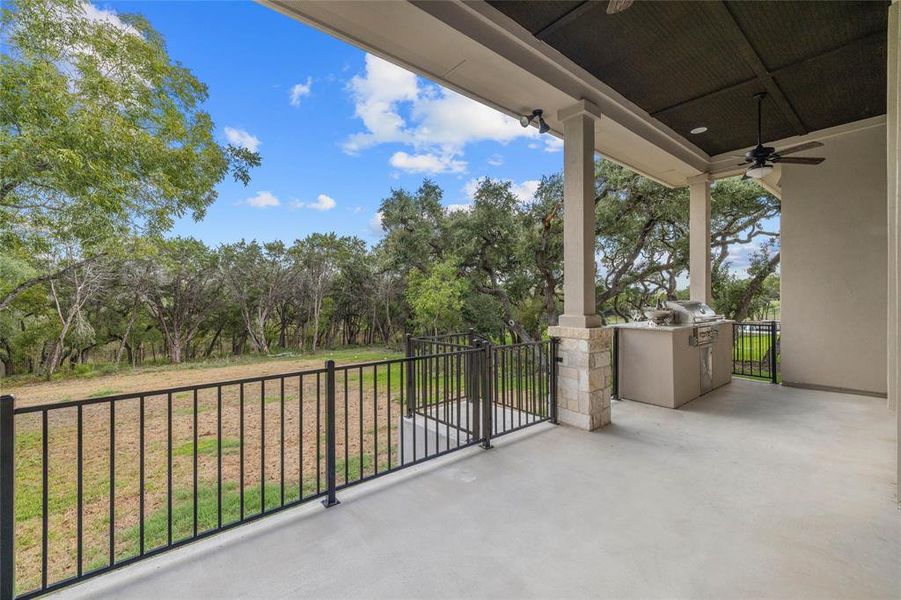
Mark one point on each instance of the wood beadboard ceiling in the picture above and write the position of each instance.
(692, 64)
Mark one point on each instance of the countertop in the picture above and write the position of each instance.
(647, 326)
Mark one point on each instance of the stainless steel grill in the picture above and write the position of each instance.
(703, 335)
(688, 312)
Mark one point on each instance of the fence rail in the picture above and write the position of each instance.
(755, 349)
(92, 485)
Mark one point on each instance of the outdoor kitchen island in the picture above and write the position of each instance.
(671, 364)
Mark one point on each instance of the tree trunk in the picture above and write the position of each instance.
(744, 304)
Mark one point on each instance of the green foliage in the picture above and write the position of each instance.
(101, 132)
(437, 296)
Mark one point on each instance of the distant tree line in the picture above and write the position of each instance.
(495, 266)
(105, 142)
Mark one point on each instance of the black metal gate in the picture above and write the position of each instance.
(755, 350)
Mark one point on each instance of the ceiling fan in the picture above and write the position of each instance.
(762, 158)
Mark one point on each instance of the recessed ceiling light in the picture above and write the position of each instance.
(698, 130)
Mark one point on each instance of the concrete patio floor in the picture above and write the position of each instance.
(752, 491)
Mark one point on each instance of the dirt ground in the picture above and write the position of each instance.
(166, 377)
(296, 426)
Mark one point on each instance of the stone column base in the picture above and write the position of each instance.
(583, 384)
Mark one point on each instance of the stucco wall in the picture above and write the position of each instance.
(834, 261)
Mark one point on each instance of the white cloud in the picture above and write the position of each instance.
(100, 15)
(552, 144)
(322, 203)
(300, 90)
(262, 200)
(241, 138)
(524, 190)
(426, 163)
(452, 208)
(495, 160)
(396, 107)
(375, 224)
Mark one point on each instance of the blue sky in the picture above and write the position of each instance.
(337, 129)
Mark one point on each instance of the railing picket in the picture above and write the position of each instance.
(79, 492)
(300, 437)
(112, 483)
(346, 431)
(281, 425)
(331, 499)
(375, 418)
(388, 416)
(360, 382)
(262, 447)
(7, 496)
(141, 467)
(169, 469)
(219, 456)
(318, 436)
(44, 496)
(196, 441)
(241, 461)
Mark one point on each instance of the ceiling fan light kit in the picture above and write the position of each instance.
(759, 172)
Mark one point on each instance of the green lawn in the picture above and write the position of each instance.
(751, 347)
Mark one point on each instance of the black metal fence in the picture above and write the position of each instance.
(91, 485)
(755, 350)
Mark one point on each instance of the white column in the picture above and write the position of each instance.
(893, 140)
(699, 238)
(578, 216)
(583, 390)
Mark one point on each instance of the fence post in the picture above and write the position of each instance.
(552, 369)
(330, 445)
(472, 392)
(7, 497)
(773, 363)
(485, 372)
(409, 366)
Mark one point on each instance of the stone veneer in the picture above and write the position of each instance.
(583, 385)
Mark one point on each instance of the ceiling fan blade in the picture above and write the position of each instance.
(797, 160)
(799, 148)
(615, 6)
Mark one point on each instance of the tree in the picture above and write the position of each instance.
(437, 297)
(257, 277)
(318, 257)
(543, 240)
(101, 133)
(181, 290)
(69, 293)
(488, 242)
(415, 227)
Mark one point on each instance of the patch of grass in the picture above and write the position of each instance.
(156, 525)
(751, 347)
(208, 446)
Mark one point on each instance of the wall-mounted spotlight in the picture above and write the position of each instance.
(526, 120)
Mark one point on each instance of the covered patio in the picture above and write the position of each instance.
(669, 89)
(753, 490)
